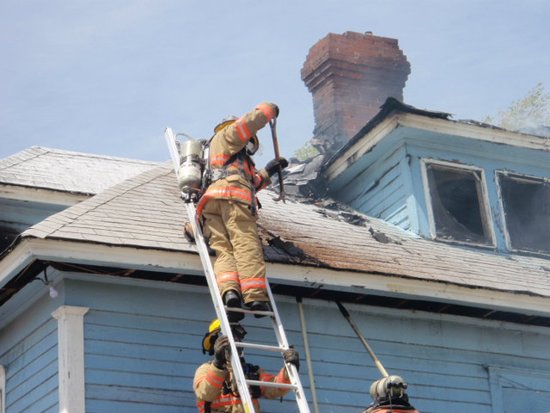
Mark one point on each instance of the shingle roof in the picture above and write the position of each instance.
(67, 171)
(146, 212)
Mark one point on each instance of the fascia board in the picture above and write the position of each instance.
(361, 283)
(411, 288)
(15, 261)
(100, 254)
(472, 131)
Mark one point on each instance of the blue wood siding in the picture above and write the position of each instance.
(382, 190)
(28, 352)
(143, 344)
(444, 359)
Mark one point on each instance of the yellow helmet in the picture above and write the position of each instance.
(210, 338)
(228, 120)
(214, 330)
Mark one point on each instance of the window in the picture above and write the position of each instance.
(456, 203)
(526, 205)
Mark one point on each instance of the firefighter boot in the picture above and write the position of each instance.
(233, 300)
(259, 306)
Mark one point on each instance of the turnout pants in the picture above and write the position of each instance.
(233, 234)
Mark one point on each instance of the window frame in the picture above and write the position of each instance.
(519, 176)
(485, 209)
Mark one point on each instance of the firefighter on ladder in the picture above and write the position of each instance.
(214, 385)
(229, 208)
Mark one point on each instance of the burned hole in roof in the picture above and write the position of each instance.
(278, 249)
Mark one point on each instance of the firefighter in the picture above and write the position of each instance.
(214, 385)
(229, 209)
(389, 396)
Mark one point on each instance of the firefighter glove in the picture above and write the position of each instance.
(220, 352)
(291, 356)
(273, 166)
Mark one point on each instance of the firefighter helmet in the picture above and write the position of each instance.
(214, 330)
(228, 120)
(210, 338)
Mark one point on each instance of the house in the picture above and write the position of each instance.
(103, 304)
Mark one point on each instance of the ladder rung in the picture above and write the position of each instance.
(271, 384)
(265, 347)
(246, 311)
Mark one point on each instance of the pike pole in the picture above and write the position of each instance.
(388, 393)
(363, 340)
(273, 126)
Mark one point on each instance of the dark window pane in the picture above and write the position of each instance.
(527, 212)
(457, 204)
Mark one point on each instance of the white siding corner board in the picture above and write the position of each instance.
(70, 326)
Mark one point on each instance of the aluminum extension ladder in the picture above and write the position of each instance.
(242, 382)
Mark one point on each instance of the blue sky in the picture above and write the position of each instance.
(107, 76)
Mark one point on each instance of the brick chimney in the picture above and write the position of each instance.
(350, 76)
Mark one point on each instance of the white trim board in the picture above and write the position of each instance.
(70, 328)
(2, 389)
(189, 262)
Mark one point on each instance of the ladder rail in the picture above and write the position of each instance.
(172, 148)
(283, 342)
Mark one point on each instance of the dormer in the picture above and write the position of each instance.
(453, 181)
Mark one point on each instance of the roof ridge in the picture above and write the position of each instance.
(93, 155)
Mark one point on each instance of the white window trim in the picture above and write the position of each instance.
(424, 162)
(504, 227)
(70, 333)
(2, 389)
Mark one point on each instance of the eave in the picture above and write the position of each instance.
(314, 282)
